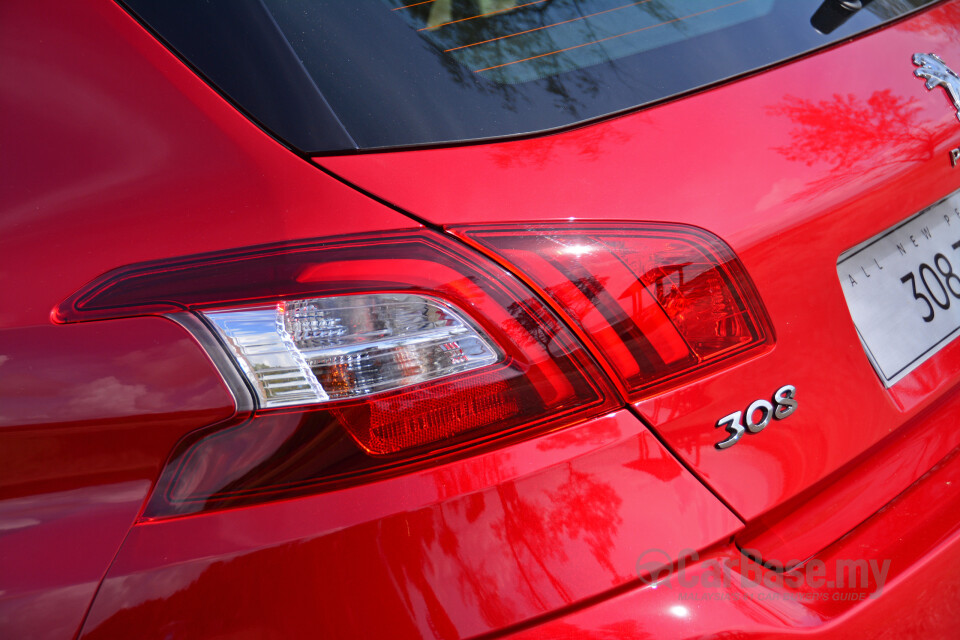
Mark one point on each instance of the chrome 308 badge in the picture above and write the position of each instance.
(758, 415)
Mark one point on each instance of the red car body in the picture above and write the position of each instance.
(115, 153)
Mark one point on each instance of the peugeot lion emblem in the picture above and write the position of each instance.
(937, 74)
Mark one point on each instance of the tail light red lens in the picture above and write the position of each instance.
(366, 355)
(657, 302)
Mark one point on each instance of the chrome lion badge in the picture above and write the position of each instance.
(937, 74)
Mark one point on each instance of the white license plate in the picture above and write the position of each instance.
(903, 289)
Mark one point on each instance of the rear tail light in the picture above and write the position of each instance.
(656, 302)
(370, 355)
(366, 355)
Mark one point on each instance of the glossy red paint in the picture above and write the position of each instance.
(458, 550)
(541, 537)
(916, 537)
(799, 528)
(810, 159)
(88, 414)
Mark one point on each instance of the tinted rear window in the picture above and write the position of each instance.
(515, 41)
(331, 75)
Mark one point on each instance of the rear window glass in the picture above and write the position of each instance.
(511, 41)
(333, 75)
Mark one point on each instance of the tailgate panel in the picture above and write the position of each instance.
(791, 168)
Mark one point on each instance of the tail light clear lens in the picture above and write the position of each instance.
(657, 302)
(324, 349)
(367, 356)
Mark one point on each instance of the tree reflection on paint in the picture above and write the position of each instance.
(859, 138)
